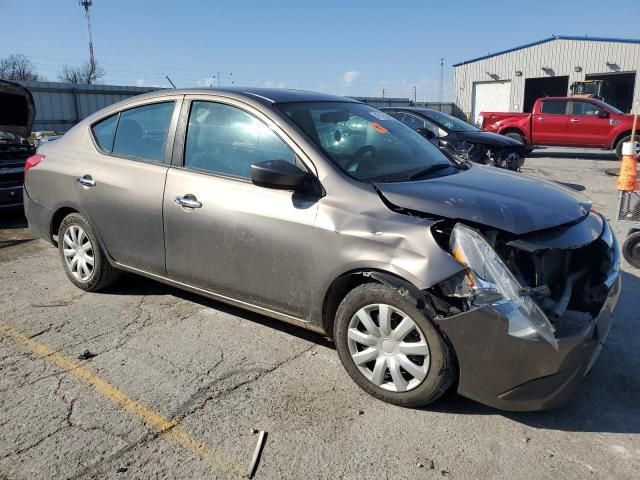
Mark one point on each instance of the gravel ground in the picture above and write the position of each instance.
(178, 382)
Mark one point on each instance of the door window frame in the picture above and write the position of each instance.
(180, 141)
(171, 132)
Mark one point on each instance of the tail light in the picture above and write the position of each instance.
(32, 161)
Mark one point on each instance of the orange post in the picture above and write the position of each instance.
(628, 178)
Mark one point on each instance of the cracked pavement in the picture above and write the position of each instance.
(216, 372)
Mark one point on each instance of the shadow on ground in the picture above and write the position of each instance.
(576, 155)
(607, 401)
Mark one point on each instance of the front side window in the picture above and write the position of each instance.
(104, 132)
(554, 107)
(142, 131)
(366, 143)
(586, 108)
(226, 140)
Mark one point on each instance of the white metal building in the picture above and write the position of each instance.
(513, 79)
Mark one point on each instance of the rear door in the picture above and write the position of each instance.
(225, 234)
(586, 127)
(120, 181)
(549, 125)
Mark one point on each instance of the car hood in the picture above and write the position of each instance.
(18, 110)
(505, 200)
(488, 138)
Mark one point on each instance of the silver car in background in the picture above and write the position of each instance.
(329, 214)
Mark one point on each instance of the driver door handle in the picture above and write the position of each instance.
(575, 120)
(188, 201)
(86, 181)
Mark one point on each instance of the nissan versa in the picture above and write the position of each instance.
(329, 214)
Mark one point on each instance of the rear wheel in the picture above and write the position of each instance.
(82, 257)
(631, 249)
(390, 349)
(626, 139)
(516, 136)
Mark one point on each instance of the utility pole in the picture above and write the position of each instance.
(441, 92)
(86, 4)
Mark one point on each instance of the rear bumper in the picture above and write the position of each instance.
(11, 197)
(517, 374)
(38, 217)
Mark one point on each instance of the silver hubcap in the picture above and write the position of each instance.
(388, 347)
(78, 253)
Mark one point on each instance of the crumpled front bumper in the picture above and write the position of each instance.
(516, 374)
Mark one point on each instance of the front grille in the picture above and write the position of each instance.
(629, 207)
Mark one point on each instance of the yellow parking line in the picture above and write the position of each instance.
(169, 428)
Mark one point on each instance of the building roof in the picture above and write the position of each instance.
(549, 39)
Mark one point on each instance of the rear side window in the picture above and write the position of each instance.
(554, 107)
(226, 140)
(142, 132)
(104, 132)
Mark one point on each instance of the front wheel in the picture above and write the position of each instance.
(631, 249)
(390, 349)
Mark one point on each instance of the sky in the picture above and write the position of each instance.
(352, 47)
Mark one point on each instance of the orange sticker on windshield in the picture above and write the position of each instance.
(379, 128)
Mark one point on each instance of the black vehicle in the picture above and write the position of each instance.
(460, 139)
(17, 112)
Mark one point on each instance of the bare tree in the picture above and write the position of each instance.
(88, 73)
(18, 67)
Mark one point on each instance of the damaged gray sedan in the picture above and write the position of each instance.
(326, 213)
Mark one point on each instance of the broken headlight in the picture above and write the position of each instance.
(491, 283)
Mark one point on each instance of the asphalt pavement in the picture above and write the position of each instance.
(146, 381)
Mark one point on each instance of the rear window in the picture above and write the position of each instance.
(139, 132)
(554, 107)
(104, 132)
(142, 131)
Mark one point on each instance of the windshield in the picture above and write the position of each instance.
(448, 122)
(366, 143)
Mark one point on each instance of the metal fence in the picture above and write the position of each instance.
(59, 106)
(382, 102)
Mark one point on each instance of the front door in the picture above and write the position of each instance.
(227, 235)
(549, 125)
(120, 183)
(586, 126)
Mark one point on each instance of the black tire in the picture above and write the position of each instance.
(516, 136)
(631, 249)
(442, 371)
(619, 145)
(103, 273)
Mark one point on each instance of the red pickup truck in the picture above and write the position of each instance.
(564, 121)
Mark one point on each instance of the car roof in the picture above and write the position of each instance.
(261, 95)
(414, 109)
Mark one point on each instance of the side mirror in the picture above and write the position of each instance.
(603, 114)
(426, 133)
(278, 174)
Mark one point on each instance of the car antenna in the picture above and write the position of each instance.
(172, 84)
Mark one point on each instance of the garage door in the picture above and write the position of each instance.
(490, 97)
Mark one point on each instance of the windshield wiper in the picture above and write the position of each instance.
(426, 171)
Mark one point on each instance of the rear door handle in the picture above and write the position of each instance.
(188, 201)
(86, 181)
(541, 119)
(575, 120)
